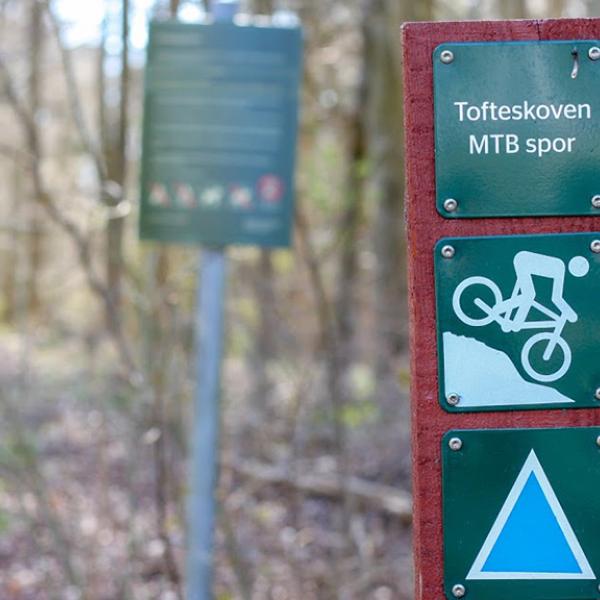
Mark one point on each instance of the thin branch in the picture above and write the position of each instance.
(74, 97)
(70, 227)
(371, 495)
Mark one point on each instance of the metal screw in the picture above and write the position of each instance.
(455, 444)
(598, 444)
(451, 204)
(453, 400)
(597, 394)
(595, 246)
(459, 591)
(594, 53)
(596, 201)
(449, 251)
(447, 56)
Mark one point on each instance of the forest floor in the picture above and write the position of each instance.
(81, 454)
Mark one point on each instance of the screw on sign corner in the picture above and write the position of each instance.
(596, 201)
(453, 399)
(594, 53)
(447, 56)
(459, 591)
(594, 247)
(451, 205)
(450, 251)
(455, 444)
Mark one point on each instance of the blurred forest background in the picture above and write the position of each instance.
(97, 330)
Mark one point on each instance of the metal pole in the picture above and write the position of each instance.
(205, 442)
(207, 418)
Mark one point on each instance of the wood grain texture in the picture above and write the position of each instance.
(425, 228)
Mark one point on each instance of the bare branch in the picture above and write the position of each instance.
(70, 227)
(90, 145)
(372, 495)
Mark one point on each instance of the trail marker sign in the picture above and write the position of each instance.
(516, 316)
(530, 527)
(220, 127)
(517, 126)
(503, 127)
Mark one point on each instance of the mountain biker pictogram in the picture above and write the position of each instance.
(513, 314)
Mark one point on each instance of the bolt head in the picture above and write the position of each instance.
(594, 53)
(598, 444)
(450, 205)
(453, 399)
(597, 394)
(459, 591)
(595, 247)
(449, 251)
(447, 56)
(596, 201)
(455, 444)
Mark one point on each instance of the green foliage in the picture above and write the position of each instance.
(357, 414)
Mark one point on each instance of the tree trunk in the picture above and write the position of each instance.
(9, 280)
(384, 139)
(265, 346)
(265, 297)
(35, 246)
(513, 9)
(262, 7)
(348, 270)
(117, 173)
(556, 8)
(593, 8)
(101, 90)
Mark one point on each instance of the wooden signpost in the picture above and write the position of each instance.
(503, 178)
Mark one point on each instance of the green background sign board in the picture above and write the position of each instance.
(220, 123)
(520, 510)
(516, 132)
(517, 320)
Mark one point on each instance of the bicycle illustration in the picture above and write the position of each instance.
(512, 313)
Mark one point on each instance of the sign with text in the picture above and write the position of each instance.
(517, 317)
(529, 525)
(220, 128)
(517, 128)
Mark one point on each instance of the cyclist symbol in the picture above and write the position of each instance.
(512, 314)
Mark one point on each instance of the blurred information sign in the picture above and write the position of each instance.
(220, 128)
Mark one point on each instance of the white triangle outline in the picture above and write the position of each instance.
(532, 465)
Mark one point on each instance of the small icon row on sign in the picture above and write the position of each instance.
(268, 192)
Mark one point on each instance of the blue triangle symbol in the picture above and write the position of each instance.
(532, 540)
(531, 537)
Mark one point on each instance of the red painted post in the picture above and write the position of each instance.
(425, 228)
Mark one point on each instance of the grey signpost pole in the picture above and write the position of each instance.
(206, 424)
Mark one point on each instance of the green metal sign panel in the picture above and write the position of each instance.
(517, 128)
(518, 320)
(220, 123)
(520, 514)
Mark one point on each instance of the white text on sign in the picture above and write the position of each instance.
(512, 143)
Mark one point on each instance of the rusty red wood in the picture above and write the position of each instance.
(425, 227)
